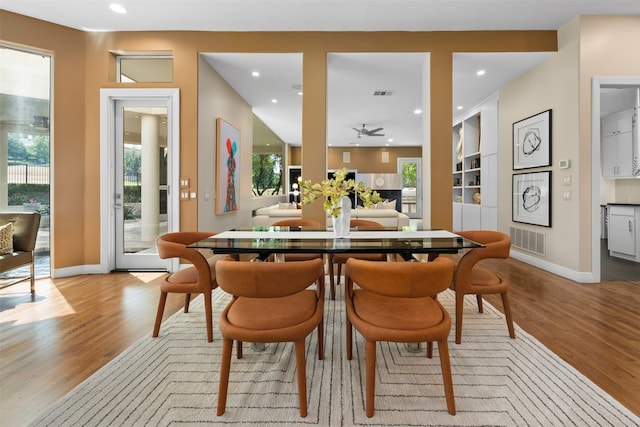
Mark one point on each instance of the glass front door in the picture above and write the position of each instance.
(141, 152)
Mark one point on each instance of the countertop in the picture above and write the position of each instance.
(623, 204)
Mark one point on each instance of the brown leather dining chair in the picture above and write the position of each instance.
(271, 303)
(396, 301)
(200, 278)
(470, 278)
(298, 222)
(340, 259)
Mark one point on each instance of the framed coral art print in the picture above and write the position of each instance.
(228, 167)
(532, 141)
(532, 198)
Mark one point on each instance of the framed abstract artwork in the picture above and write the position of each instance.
(532, 198)
(228, 167)
(532, 141)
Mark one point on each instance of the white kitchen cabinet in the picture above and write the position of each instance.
(617, 145)
(624, 239)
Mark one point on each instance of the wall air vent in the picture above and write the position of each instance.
(531, 241)
(382, 93)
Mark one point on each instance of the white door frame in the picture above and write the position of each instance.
(596, 84)
(108, 98)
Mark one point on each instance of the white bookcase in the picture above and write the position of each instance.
(475, 168)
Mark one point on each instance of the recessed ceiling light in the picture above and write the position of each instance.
(300, 93)
(275, 101)
(255, 74)
(480, 73)
(417, 111)
(117, 8)
(390, 140)
(459, 107)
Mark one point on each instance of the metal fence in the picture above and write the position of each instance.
(32, 174)
(27, 174)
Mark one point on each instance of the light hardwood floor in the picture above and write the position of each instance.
(77, 325)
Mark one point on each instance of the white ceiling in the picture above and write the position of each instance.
(352, 78)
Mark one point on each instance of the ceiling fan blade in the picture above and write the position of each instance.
(374, 130)
(376, 134)
(357, 130)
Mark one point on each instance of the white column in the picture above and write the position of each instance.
(150, 209)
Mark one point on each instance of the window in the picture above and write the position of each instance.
(141, 68)
(267, 161)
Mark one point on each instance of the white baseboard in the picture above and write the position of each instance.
(77, 271)
(576, 276)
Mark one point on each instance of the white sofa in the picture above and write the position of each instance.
(266, 216)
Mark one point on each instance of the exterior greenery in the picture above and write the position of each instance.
(409, 171)
(24, 193)
(267, 174)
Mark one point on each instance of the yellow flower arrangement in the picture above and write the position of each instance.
(335, 189)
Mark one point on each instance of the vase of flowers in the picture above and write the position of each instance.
(337, 203)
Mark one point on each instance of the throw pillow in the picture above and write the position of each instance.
(6, 238)
(390, 204)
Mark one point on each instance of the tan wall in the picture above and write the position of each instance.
(68, 138)
(588, 46)
(76, 100)
(609, 47)
(552, 85)
(369, 159)
(218, 99)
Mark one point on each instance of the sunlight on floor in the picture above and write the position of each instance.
(147, 277)
(17, 308)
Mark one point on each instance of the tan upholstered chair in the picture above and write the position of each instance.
(298, 222)
(339, 259)
(396, 301)
(271, 303)
(198, 279)
(25, 227)
(469, 278)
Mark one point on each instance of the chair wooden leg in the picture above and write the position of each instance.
(321, 339)
(225, 367)
(208, 315)
(339, 274)
(459, 308)
(479, 299)
(443, 350)
(349, 336)
(506, 305)
(429, 349)
(187, 300)
(301, 367)
(33, 278)
(332, 282)
(239, 350)
(370, 355)
(161, 303)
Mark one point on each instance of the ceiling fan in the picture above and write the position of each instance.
(366, 132)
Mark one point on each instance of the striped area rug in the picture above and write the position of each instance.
(172, 380)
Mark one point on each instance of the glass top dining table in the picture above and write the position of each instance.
(295, 240)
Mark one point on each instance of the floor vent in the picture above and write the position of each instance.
(531, 241)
